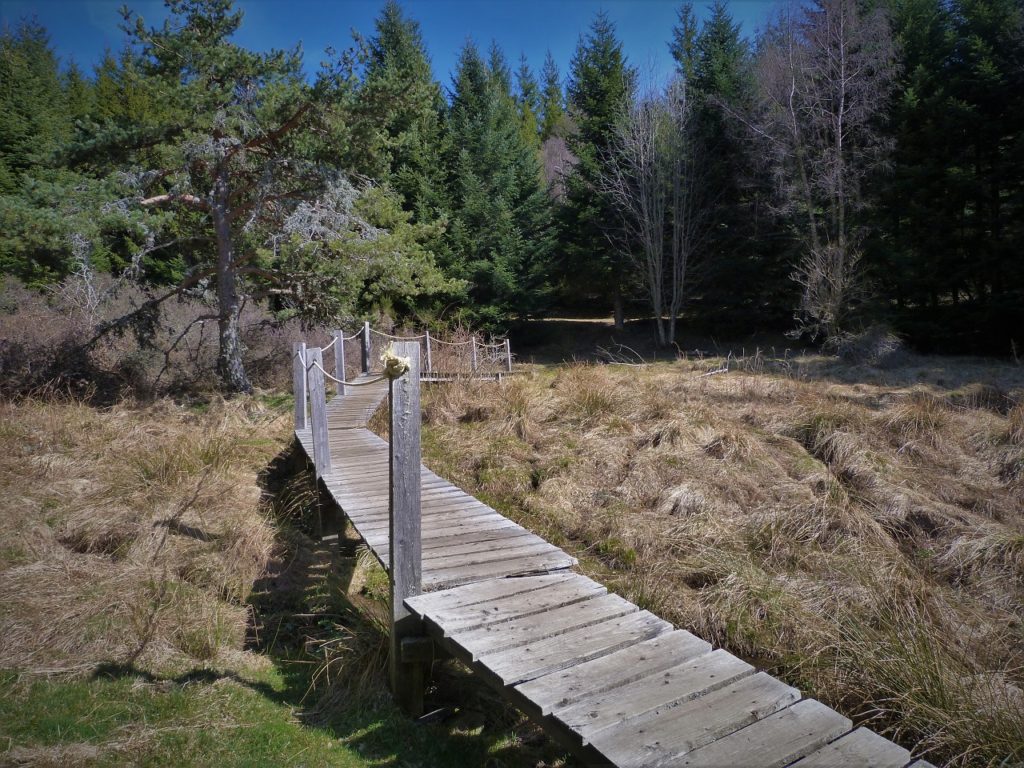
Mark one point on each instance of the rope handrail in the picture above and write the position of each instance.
(433, 339)
(398, 338)
(450, 343)
(336, 380)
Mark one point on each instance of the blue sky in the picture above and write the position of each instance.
(82, 29)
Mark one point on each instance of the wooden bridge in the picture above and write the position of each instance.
(614, 683)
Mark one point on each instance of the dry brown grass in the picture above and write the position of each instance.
(860, 532)
(131, 535)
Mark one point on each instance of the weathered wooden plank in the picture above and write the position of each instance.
(552, 654)
(516, 566)
(484, 538)
(507, 609)
(563, 689)
(490, 639)
(694, 677)
(863, 748)
(456, 546)
(434, 504)
(663, 736)
(431, 519)
(775, 741)
(529, 549)
(374, 538)
(370, 489)
(483, 592)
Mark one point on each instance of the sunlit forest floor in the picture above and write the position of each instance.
(856, 530)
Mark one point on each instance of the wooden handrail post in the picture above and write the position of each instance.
(430, 364)
(472, 364)
(508, 354)
(365, 341)
(318, 408)
(299, 383)
(339, 359)
(407, 677)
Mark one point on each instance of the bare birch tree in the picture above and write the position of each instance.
(652, 176)
(824, 74)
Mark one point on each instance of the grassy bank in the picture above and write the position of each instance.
(160, 604)
(859, 532)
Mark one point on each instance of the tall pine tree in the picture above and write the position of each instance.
(500, 232)
(600, 85)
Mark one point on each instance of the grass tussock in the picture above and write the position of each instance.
(134, 534)
(858, 531)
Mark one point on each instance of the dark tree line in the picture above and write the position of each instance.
(857, 164)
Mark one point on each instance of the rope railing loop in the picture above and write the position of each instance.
(336, 380)
(397, 338)
(450, 343)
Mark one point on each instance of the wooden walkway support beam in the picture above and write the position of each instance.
(365, 342)
(318, 411)
(339, 359)
(299, 383)
(407, 674)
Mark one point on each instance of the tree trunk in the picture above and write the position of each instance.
(617, 309)
(229, 361)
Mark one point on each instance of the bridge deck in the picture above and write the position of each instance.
(619, 684)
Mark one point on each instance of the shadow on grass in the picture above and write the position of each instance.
(319, 613)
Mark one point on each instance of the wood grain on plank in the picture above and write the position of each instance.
(669, 732)
(775, 741)
(862, 748)
(543, 657)
(562, 689)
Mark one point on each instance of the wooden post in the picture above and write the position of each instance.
(430, 363)
(407, 677)
(508, 354)
(472, 365)
(365, 341)
(299, 383)
(339, 358)
(318, 403)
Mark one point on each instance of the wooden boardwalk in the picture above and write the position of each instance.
(615, 683)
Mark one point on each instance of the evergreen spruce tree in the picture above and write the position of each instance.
(743, 271)
(33, 111)
(398, 118)
(552, 101)
(528, 101)
(500, 233)
(600, 84)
